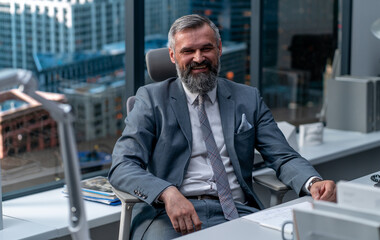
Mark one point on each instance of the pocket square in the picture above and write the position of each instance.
(244, 125)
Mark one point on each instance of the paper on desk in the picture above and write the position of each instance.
(275, 217)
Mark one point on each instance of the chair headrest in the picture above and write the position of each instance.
(159, 64)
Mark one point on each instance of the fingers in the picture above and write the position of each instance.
(185, 224)
(324, 190)
(175, 225)
(180, 211)
(315, 191)
(329, 193)
(197, 223)
(189, 225)
(182, 225)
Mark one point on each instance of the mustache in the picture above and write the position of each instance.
(204, 62)
(191, 65)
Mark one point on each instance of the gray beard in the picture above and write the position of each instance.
(200, 83)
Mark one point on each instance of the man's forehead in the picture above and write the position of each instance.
(203, 35)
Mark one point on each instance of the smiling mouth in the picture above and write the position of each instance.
(199, 67)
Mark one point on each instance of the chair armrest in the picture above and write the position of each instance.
(127, 201)
(126, 197)
(276, 187)
(270, 181)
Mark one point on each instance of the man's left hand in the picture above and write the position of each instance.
(324, 190)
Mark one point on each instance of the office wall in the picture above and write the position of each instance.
(365, 48)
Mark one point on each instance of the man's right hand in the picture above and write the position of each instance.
(180, 211)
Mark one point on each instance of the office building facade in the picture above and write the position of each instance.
(56, 71)
(25, 126)
(99, 109)
(47, 26)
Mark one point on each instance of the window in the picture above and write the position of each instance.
(31, 156)
(291, 68)
(298, 40)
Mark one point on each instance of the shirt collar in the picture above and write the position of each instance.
(191, 97)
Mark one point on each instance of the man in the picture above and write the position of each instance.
(196, 135)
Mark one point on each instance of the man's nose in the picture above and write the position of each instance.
(198, 56)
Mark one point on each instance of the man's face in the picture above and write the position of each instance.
(197, 57)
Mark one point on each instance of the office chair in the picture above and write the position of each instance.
(160, 68)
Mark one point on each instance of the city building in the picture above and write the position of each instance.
(25, 126)
(99, 108)
(49, 26)
(232, 61)
(55, 71)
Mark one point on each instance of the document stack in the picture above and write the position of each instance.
(356, 215)
(97, 189)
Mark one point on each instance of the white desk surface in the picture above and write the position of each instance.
(336, 144)
(46, 214)
(366, 179)
(14, 228)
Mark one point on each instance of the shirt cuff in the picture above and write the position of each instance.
(305, 187)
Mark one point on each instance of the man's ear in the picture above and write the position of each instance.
(171, 54)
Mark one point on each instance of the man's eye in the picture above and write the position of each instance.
(207, 49)
(188, 51)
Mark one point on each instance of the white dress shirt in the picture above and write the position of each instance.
(198, 179)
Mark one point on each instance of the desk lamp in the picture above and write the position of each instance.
(62, 114)
(375, 28)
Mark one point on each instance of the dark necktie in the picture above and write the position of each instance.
(220, 175)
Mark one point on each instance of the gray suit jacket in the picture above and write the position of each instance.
(158, 137)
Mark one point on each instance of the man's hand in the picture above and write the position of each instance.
(324, 190)
(180, 211)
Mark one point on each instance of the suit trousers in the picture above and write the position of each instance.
(209, 212)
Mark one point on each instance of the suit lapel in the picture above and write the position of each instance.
(178, 103)
(227, 115)
(227, 112)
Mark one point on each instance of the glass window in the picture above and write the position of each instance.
(298, 40)
(93, 57)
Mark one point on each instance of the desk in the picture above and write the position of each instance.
(45, 215)
(338, 144)
(241, 229)
(366, 179)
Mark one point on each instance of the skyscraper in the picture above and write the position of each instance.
(50, 26)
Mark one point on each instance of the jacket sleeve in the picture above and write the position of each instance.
(133, 151)
(292, 169)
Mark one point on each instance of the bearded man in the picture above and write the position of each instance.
(187, 150)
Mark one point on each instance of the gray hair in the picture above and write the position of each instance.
(192, 21)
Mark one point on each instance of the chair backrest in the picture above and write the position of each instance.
(159, 64)
(130, 103)
(159, 69)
